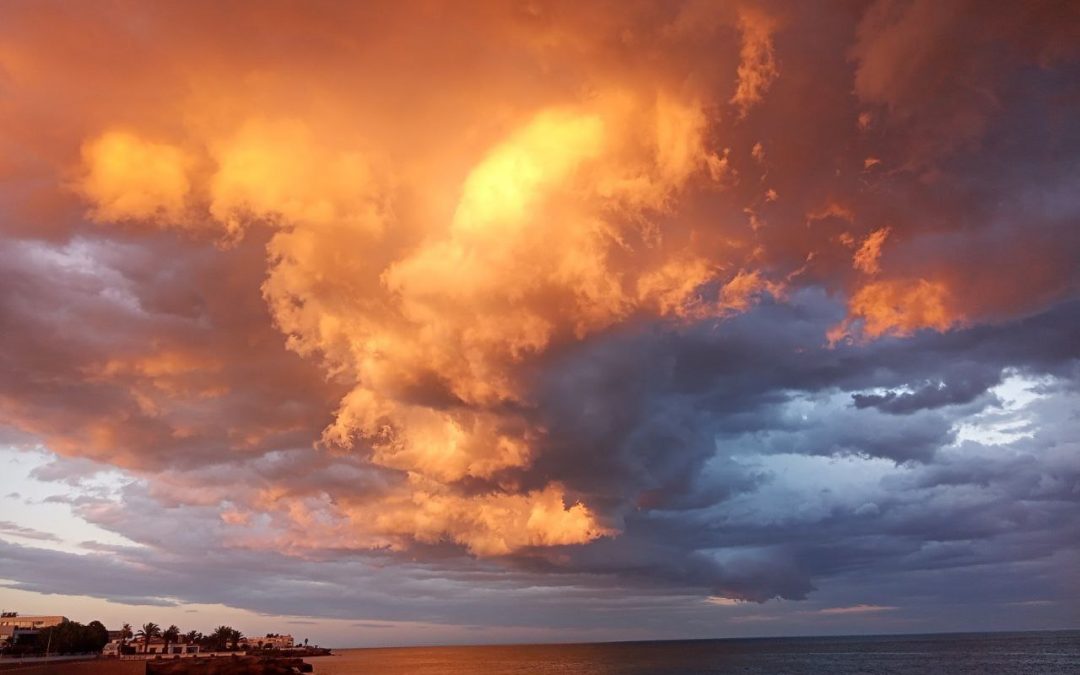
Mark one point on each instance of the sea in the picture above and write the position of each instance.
(1056, 652)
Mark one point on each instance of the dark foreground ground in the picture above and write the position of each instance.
(228, 665)
(88, 667)
(243, 665)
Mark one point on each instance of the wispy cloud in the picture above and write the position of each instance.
(12, 529)
(856, 609)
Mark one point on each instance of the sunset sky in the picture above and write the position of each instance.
(415, 322)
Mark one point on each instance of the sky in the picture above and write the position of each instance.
(438, 322)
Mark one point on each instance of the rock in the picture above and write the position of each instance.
(241, 665)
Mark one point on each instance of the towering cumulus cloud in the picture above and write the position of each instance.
(554, 283)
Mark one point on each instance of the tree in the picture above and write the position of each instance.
(58, 639)
(69, 637)
(170, 635)
(235, 637)
(97, 636)
(219, 639)
(125, 634)
(192, 636)
(148, 631)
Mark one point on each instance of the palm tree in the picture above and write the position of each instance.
(170, 635)
(235, 636)
(220, 637)
(149, 630)
(125, 634)
(191, 637)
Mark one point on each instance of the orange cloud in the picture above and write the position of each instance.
(855, 609)
(548, 240)
(831, 210)
(130, 178)
(280, 170)
(673, 286)
(490, 524)
(758, 68)
(742, 291)
(897, 307)
(867, 257)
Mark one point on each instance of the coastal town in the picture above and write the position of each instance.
(33, 638)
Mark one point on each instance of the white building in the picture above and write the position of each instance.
(13, 626)
(14, 620)
(270, 641)
(156, 646)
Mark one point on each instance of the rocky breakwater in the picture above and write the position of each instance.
(230, 665)
(304, 651)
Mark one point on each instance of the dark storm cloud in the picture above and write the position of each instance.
(930, 395)
(668, 431)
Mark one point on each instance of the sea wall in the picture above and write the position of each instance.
(233, 665)
(97, 667)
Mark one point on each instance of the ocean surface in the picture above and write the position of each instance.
(946, 654)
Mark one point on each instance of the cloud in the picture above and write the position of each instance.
(867, 258)
(898, 308)
(142, 366)
(278, 169)
(758, 67)
(128, 178)
(528, 296)
(15, 530)
(855, 609)
(932, 394)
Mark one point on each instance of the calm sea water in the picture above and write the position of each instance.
(957, 654)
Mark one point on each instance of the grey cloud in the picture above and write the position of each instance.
(931, 395)
(670, 436)
(79, 322)
(14, 529)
